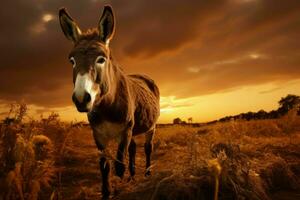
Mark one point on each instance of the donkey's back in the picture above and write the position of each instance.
(146, 99)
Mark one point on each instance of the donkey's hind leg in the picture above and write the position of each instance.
(122, 150)
(132, 152)
(148, 150)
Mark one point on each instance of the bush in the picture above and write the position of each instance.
(26, 156)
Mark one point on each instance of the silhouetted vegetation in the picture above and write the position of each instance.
(177, 121)
(30, 153)
(285, 105)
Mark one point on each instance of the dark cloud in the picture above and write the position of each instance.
(189, 47)
(167, 25)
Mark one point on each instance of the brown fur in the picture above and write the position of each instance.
(124, 105)
(135, 99)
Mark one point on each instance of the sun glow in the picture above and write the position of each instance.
(200, 108)
(47, 17)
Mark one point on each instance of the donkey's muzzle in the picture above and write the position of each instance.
(82, 103)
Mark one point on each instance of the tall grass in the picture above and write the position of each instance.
(233, 160)
(246, 159)
(28, 154)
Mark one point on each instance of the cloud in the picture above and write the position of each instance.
(190, 48)
(170, 103)
(270, 90)
(167, 26)
(173, 102)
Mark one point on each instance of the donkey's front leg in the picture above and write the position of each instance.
(104, 164)
(122, 150)
(105, 171)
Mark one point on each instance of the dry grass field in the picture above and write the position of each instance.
(259, 159)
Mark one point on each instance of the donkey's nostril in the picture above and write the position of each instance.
(82, 103)
(86, 98)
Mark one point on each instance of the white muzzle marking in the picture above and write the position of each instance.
(83, 84)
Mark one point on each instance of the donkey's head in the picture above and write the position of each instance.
(90, 58)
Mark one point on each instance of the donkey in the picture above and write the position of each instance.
(118, 106)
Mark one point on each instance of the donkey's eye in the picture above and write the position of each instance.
(72, 61)
(100, 60)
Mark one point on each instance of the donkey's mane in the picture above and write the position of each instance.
(90, 34)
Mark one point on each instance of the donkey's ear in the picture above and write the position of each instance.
(69, 26)
(106, 25)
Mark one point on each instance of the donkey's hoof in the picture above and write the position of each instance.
(105, 197)
(120, 169)
(148, 173)
(130, 179)
(105, 194)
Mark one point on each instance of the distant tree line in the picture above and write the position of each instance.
(285, 105)
(180, 121)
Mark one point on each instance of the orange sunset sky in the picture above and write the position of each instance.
(210, 58)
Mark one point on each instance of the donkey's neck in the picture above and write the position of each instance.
(115, 77)
(116, 86)
(113, 105)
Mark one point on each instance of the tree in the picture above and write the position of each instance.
(177, 121)
(261, 114)
(287, 103)
(190, 120)
(273, 114)
(248, 116)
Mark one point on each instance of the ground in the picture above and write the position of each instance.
(180, 159)
(258, 159)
